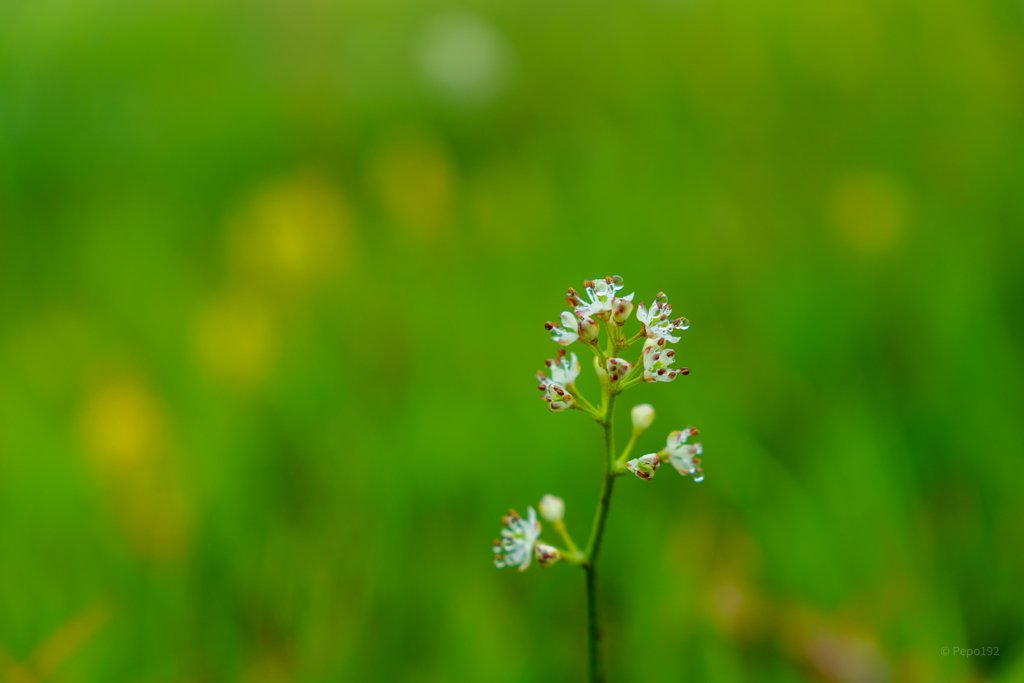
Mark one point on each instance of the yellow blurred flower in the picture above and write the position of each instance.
(870, 211)
(124, 432)
(292, 234)
(236, 339)
(416, 184)
(123, 426)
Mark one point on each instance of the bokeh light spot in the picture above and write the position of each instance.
(870, 211)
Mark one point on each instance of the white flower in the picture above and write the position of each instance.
(645, 466)
(656, 320)
(572, 329)
(555, 395)
(656, 361)
(567, 333)
(602, 298)
(517, 540)
(643, 416)
(618, 368)
(547, 555)
(552, 508)
(564, 368)
(682, 455)
(564, 371)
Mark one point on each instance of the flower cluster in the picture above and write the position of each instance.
(604, 307)
(601, 307)
(557, 389)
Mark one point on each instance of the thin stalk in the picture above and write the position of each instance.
(594, 635)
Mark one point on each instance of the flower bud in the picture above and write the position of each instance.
(588, 329)
(643, 416)
(546, 554)
(621, 308)
(552, 508)
(618, 368)
(645, 466)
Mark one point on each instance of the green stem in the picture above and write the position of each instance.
(629, 449)
(594, 544)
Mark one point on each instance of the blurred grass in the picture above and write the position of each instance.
(272, 284)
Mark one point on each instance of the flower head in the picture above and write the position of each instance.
(645, 466)
(552, 508)
(657, 324)
(603, 301)
(564, 371)
(517, 540)
(643, 416)
(682, 455)
(547, 555)
(656, 361)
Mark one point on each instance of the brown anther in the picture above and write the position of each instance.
(661, 371)
(549, 326)
(588, 283)
(685, 371)
(694, 431)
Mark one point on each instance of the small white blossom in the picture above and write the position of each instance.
(602, 298)
(656, 320)
(643, 416)
(618, 368)
(645, 466)
(567, 333)
(656, 361)
(682, 455)
(515, 549)
(547, 555)
(565, 368)
(552, 508)
(572, 329)
(555, 395)
(564, 371)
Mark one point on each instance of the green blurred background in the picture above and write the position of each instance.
(272, 284)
